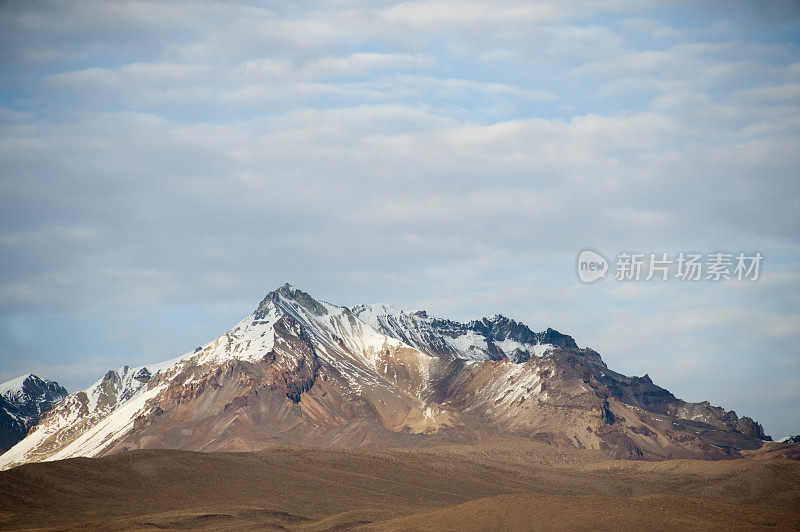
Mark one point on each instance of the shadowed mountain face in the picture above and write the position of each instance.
(22, 403)
(299, 371)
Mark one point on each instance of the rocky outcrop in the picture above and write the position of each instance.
(22, 403)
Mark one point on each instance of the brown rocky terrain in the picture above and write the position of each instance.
(509, 485)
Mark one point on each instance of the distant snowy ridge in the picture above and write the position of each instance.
(492, 338)
(22, 402)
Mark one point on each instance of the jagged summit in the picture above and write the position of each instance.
(291, 293)
(492, 338)
(500, 328)
(303, 371)
(15, 384)
(286, 290)
(28, 384)
(398, 323)
(22, 402)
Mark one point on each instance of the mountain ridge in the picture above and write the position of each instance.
(22, 402)
(299, 370)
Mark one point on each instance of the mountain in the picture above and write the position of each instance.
(300, 371)
(22, 402)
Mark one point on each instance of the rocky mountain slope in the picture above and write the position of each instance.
(299, 371)
(22, 402)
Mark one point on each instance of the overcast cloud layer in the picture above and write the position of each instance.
(164, 164)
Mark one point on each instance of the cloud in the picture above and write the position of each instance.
(136, 183)
(652, 28)
(440, 154)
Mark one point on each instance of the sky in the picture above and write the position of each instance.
(164, 165)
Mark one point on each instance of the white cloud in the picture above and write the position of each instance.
(652, 28)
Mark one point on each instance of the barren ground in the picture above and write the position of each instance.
(509, 486)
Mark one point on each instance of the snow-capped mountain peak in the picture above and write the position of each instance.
(32, 389)
(301, 370)
(22, 402)
(287, 293)
(13, 387)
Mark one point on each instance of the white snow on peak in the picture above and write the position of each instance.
(12, 387)
(373, 313)
(111, 406)
(429, 334)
